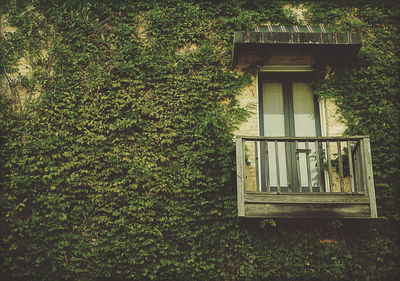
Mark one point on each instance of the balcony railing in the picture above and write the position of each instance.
(305, 177)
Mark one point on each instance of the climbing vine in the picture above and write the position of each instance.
(118, 163)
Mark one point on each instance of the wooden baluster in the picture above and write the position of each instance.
(363, 168)
(298, 167)
(308, 168)
(288, 166)
(278, 180)
(256, 160)
(351, 167)
(340, 163)
(357, 169)
(244, 165)
(318, 166)
(328, 158)
(267, 167)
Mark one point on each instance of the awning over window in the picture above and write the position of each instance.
(315, 38)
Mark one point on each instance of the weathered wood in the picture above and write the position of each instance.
(244, 164)
(350, 155)
(294, 198)
(357, 170)
(348, 40)
(293, 139)
(256, 160)
(308, 167)
(240, 176)
(370, 178)
(354, 211)
(318, 166)
(328, 158)
(288, 172)
(356, 163)
(340, 163)
(298, 167)
(278, 175)
(363, 166)
(267, 167)
(354, 204)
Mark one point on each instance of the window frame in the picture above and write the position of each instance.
(287, 79)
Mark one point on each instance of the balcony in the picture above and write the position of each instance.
(305, 177)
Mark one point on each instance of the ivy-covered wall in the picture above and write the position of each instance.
(118, 163)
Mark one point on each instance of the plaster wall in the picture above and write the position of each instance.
(10, 85)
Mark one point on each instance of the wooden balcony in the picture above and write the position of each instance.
(305, 177)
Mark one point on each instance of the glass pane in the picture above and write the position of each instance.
(274, 126)
(304, 126)
(274, 119)
(303, 107)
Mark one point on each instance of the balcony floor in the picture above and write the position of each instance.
(306, 205)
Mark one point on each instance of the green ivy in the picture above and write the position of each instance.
(120, 164)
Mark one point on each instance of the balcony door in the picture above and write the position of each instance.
(288, 108)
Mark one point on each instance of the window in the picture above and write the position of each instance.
(290, 170)
(287, 108)
(287, 168)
